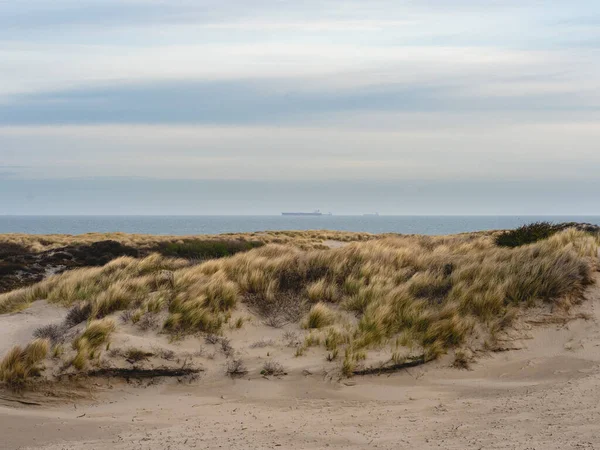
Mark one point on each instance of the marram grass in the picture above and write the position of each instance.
(418, 292)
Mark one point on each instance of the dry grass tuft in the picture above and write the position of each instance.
(461, 360)
(88, 344)
(134, 355)
(319, 316)
(263, 343)
(20, 365)
(322, 291)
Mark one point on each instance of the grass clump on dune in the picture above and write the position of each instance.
(109, 288)
(319, 316)
(21, 364)
(200, 303)
(88, 344)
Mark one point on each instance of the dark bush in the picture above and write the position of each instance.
(10, 249)
(527, 234)
(10, 268)
(206, 249)
(226, 347)
(55, 333)
(77, 314)
(236, 368)
(212, 339)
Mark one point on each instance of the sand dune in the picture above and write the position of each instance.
(17, 328)
(543, 396)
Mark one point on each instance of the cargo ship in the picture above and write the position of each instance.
(314, 213)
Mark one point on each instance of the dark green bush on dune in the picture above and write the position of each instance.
(527, 234)
(206, 249)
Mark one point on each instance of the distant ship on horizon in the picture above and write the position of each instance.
(371, 214)
(314, 213)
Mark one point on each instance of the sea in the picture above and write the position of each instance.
(190, 225)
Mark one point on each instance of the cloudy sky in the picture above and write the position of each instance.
(250, 106)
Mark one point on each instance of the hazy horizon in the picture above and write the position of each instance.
(204, 107)
(123, 196)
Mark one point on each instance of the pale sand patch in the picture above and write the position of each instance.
(17, 328)
(334, 244)
(544, 396)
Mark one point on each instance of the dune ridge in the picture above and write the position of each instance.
(363, 306)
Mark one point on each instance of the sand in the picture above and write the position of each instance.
(18, 328)
(546, 395)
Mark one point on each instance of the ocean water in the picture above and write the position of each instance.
(186, 225)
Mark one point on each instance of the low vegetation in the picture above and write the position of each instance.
(536, 231)
(319, 316)
(89, 343)
(27, 259)
(200, 249)
(417, 296)
(15, 243)
(236, 368)
(135, 355)
(21, 364)
(527, 234)
(55, 332)
(272, 368)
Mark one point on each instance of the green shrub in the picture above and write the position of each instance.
(206, 249)
(527, 234)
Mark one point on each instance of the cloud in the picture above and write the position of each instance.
(43, 13)
(449, 90)
(416, 150)
(285, 101)
(40, 13)
(216, 102)
(332, 64)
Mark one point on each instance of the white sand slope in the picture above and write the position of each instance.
(544, 396)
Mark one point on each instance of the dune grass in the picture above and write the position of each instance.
(113, 287)
(410, 293)
(319, 316)
(193, 246)
(19, 365)
(91, 340)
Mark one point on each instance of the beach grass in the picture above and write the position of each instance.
(418, 294)
(19, 365)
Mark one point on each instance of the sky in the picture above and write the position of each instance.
(255, 106)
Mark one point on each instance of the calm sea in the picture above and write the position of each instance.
(182, 225)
